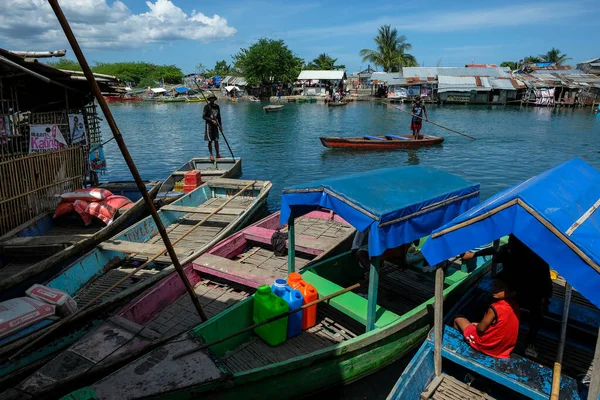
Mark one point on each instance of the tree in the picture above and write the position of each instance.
(554, 56)
(324, 62)
(391, 53)
(221, 68)
(510, 64)
(268, 61)
(531, 60)
(65, 63)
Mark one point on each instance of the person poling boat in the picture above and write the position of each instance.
(416, 111)
(212, 116)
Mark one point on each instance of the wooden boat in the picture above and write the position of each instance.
(165, 309)
(112, 260)
(209, 169)
(553, 213)
(194, 99)
(173, 100)
(338, 104)
(354, 336)
(381, 142)
(42, 246)
(273, 107)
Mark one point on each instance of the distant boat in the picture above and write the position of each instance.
(194, 99)
(338, 104)
(381, 142)
(273, 108)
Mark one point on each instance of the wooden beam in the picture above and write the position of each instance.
(291, 245)
(201, 210)
(555, 390)
(438, 328)
(372, 298)
(594, 390)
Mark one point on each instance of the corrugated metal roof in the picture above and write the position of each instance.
(463, 84)
(389, 77)
(481, 66)
(591, 60)
(503, 84)
(426, 72)
(321, 75)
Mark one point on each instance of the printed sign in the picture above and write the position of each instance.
(45, 137)
(77, 129)
(97, 160)
(414, 90)
(425, 92)
(459, 98)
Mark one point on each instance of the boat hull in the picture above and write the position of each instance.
(272, 108)
(385, 144)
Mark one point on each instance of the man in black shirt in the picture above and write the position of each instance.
(212, 116)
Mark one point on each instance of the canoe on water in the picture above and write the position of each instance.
(88, 277)
(273, 107)
(38, 249)
(209, 169)
(165, 309)
(356, 334)
(381, 142)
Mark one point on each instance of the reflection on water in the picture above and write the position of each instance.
(513, 143)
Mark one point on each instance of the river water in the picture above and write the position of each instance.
(513, 144)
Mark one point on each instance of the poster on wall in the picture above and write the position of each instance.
(97, 160)
(425, 92)
(77, 129)
(45, 137)
(414, 90)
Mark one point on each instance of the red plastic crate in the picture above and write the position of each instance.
(192, 178)
(189, 188)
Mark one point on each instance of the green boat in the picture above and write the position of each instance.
(357, 333)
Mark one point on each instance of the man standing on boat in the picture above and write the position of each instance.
(417, 110)
(212, 116)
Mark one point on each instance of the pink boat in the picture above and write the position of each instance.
(248, 259)
(165, 310)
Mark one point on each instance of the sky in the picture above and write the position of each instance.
(187, 33)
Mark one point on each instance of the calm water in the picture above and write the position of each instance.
(513, 144)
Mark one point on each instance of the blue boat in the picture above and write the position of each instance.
(39, 248)
(555, 215)
(137, 254)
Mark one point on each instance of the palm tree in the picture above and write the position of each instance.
(324, 62)
(554, 56)
(391, 53)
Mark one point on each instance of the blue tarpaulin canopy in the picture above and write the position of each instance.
(552, 213)
(182, 89)
(399, 205)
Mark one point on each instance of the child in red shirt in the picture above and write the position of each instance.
(496, 334)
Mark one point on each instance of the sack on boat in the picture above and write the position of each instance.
(64, 208)
(278, 241)
(81, 207)
(19, 313)
(90, 194)
(65, 305)
(106, 210)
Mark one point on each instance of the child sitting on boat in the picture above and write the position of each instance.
(496, 335)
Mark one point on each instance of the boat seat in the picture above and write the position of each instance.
(372, 138)
(201, 210)
(304, 244)
(517, 373)
(50, 240)
(349, 303)
(392, 137)
(141, 249)
(236, 271)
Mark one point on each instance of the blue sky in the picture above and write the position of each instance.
(186, 32)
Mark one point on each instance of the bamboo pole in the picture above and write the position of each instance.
(129, 275)
(438, 318)
(555, 390)
(594, 389)
(433, 123)
(267, 321)
(123, 147)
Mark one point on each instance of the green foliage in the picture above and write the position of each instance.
(554, 56)
(221, 68)
(510, 64)
(268, 61)
(324, 62)
(140, 74)
(531, 60)
(391, 52)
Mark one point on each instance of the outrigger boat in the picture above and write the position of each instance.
(136, 259)
(209, 169)
(273, 107)
(38, 249)
(356, 334)
(381, 142)
(165, 309)
(555, 215)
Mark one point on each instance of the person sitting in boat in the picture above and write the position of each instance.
(417, 110)
(532, 282)
(496, 334)
(212, 116)
(396, 255)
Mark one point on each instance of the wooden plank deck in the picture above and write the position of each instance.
(332, 327)
(446, 387)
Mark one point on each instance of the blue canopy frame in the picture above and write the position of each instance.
(555, 215)
(396, 205)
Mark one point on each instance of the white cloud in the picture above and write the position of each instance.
(99, 24)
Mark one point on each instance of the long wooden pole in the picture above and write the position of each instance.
(129, 275)
(123, 147)
(267, 321)
(438, 320)
(433, 123)
(220, 126)
(555, 390)
(594, 389)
